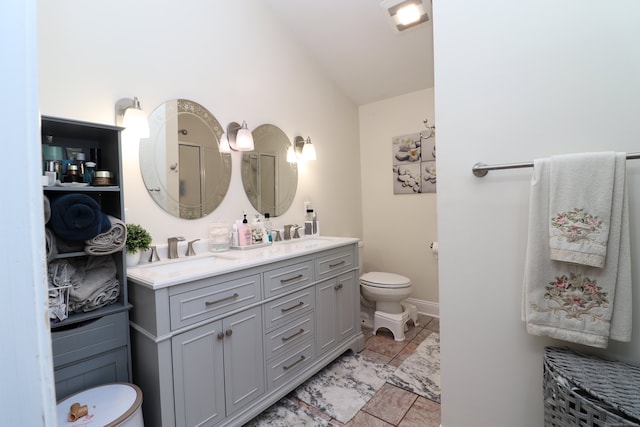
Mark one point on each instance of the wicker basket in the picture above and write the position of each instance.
(586, 391)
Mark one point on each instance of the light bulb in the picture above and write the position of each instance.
(408, 14)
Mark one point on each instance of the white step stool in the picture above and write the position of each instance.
(396, 323)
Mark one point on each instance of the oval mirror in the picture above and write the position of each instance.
(269, 181)
(181, 166)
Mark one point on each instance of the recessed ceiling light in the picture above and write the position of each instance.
(406, 13)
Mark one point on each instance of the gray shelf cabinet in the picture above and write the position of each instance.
(205, 359)
(90, 348)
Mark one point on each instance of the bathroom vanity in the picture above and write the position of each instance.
(219, 337)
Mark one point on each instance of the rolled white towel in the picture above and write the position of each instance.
(110, 241)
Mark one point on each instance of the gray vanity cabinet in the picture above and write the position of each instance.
(336, 298)
(335, 311)
(219, 349)
(91, 347)
(218, 368)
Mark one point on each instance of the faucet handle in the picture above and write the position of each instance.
(154, 255)
(190, 251)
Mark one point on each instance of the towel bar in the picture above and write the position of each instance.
(480, 169)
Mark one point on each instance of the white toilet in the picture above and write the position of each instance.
(111, 405)
(388, 291)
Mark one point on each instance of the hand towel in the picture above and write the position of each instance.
(111, 241)
(94, 283)
(581, 193)
(572, 302)
(77, 216)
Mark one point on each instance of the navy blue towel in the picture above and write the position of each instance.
(77, 217)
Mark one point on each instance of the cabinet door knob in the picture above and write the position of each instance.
(228, 332)
(337, 288)
(220, 335)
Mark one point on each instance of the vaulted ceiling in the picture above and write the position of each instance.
(355, 43)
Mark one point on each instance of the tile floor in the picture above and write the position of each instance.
(393, 406)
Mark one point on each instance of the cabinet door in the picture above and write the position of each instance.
(346, 305)
(327, 316)
(198, 374)
(243, 359)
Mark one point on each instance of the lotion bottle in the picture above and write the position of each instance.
(244, 233)
(308, 223)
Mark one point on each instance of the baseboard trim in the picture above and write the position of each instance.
(426, 307)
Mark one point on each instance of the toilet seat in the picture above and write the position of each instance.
(378, 279)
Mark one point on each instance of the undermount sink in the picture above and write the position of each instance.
(176, 265)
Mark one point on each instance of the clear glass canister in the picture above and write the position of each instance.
(89, 172)
(219, 237)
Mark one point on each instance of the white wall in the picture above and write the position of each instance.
(230, 56)
(397, 228)
(517, 81)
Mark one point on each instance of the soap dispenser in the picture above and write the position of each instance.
(244, 233)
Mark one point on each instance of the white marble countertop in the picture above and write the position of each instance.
(169, 272)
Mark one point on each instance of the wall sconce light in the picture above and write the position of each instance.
(224, 146)
(304, 149)
(406, 13)
(130, 116)
(239, 137)
(291, 154)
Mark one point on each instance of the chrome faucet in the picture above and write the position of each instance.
(153, 257)
(173, 246)
(190, 251)
(287, 232)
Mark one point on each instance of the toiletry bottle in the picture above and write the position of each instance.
(308, 223)
(234, 235)
(244, 233)
(268, 226)
(315, 224)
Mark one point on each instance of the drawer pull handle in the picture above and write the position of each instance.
(228, 332)
(300, 304)
(291, 279)
(302, 358)
(234, 296)
(337, 288)
(220, 335)
(285, 339)
(337, 264)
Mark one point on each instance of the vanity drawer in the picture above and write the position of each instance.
(280, 311)
(289, 277)
(282, 369)
(191, 307)
(334, 263)
(286, 337)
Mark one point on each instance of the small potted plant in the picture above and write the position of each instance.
(138, 241)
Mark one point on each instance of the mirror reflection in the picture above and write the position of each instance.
(181, 166)
(269, 181)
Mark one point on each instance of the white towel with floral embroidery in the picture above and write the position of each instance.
(573, 302)
(580, 201)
